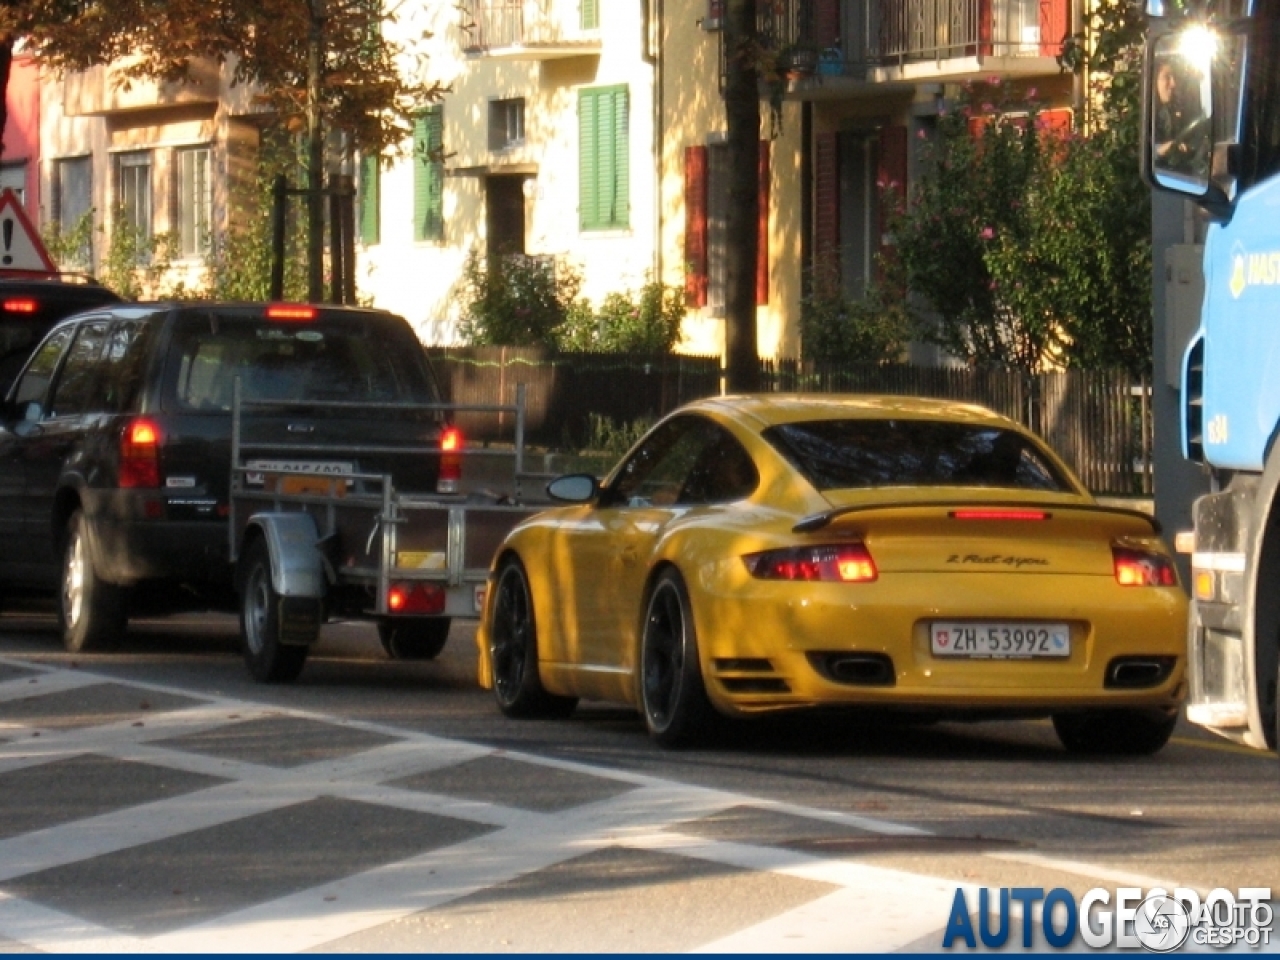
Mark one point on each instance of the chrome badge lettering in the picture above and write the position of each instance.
(998, 559)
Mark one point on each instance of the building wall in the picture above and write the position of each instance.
(91, 115)
(693, 115)
(422, 280)
(22, 130)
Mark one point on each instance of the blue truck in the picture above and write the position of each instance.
(1211, 130)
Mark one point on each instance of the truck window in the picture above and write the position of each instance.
(1262, 107)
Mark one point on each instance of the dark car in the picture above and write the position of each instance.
(31, 303)
(115, 439)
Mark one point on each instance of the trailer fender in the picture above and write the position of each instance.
(297, 565)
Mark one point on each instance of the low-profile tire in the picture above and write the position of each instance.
(513, 650)
(420, 638)
(268, 660)
(91, 612)
(672, 693)
(1128, 732)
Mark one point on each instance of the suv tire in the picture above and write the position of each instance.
(91, 612)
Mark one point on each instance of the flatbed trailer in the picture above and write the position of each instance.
(313, 538)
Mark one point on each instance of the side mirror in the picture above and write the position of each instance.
(574, 488)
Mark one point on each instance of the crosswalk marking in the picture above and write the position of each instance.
(651, 815)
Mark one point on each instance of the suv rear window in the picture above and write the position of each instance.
(329, 359)
(843, 454)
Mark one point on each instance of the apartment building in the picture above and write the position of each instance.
(857, 89)
(543, 145)
(153, 158)
(589, 130)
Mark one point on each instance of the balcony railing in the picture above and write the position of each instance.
(526, 29)
(887, 39)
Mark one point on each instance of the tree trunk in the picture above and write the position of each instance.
(315, 154)
(742, 118)
(6, 65)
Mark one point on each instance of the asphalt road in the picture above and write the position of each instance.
(155, 799)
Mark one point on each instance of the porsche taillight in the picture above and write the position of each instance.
(841, 562)
(140, 455)
(1143, 568)
(450, 460)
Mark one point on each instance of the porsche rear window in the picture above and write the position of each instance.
(843, 454)
(352, 359)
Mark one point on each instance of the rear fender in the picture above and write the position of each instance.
(297, 565)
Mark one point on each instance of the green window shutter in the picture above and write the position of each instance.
(428, 175)
(587, 161)
(590, 10)
(620, 212)
(370, 172)
(604, 168)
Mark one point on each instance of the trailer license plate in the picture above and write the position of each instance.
(1000, 640)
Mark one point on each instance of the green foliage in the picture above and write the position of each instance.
(644, 321)
(516, 300)
(239, 263)
(71, 249)
(836, 328)
(1030, 245)
(609, 437)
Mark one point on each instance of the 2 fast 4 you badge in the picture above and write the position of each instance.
(1156, 920)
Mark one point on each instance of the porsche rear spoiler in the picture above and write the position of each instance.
(818, 521)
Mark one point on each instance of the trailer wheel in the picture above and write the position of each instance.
(513, 650)
(92, 613)
(420, 638)
(269, 660)
(1119, 732)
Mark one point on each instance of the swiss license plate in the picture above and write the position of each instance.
(1000, 640)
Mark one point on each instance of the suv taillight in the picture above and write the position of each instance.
(140, 455)
(450, 460)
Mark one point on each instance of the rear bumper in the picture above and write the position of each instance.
(127, 551)
(774, 651)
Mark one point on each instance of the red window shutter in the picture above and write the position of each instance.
(826, 23)
(1054, 26)
(892, 175)
(695, 227)
(762, 248)
(826, 204)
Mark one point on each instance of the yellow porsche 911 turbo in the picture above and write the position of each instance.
(757, 553)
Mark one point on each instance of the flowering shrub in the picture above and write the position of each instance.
(517, 300)
(1031, 245)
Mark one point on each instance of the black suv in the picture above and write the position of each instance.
(31, 303)
(115, 439)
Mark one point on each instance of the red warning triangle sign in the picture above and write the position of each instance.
(20, 246)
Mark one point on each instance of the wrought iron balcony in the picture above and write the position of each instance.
(903, 40)
(528, 29)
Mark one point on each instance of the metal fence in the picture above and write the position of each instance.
(1099, 422)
